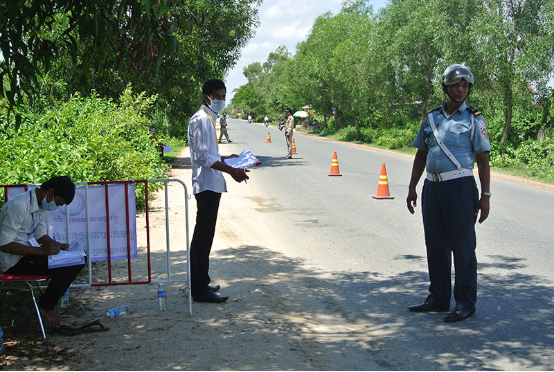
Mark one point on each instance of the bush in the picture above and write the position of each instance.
(87, 139)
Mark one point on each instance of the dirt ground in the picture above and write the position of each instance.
(264, 326)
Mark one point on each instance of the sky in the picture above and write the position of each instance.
(282, 22)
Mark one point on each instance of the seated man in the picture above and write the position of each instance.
(25, 245)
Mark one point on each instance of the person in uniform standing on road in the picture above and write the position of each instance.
(289, 126)
(223, 128)
(207, 185)
(446, 141)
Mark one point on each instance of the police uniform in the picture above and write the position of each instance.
(223, 129)
(449, 201)
(289, 127)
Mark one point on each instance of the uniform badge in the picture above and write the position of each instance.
(483, 129)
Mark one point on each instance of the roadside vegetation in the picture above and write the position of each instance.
(381, 71)
(81, 85)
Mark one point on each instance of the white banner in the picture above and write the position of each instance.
(97, 221)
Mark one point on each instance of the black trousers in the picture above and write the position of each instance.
(60, 280)
(207, 203)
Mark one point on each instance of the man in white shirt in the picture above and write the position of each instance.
(25, 244)
(207, 185)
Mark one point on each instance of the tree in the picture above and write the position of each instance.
(104, 37)
(516, 41)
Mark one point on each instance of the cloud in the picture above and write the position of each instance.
(282, 22)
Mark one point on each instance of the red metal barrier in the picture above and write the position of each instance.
(129, 280)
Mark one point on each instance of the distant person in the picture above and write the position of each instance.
(223, 128)
(447, 141)
(266, 120)
(249, 118)
(25, 244)
(281, 121)
(159, 145)
(289, 128)
(207, 185)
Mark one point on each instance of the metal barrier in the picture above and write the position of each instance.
(128, 232)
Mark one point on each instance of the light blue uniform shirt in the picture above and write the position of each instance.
(455, 132)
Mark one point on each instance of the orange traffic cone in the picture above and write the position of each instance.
(293, 147)
(268, 138)
(335, 166)
(383, 188)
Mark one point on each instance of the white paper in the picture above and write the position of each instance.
(74, 255)
(246, 159)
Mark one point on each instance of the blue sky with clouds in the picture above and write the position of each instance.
(282, 22)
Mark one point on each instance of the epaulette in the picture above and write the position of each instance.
(474, 111)
(435, 109)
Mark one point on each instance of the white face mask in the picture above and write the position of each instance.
(48, 206)
(217, 105)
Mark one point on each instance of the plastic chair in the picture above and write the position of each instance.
(28, 279)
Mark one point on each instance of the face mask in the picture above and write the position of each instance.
(217, 105)
(48, 206)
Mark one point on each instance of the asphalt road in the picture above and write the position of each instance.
(369, 255)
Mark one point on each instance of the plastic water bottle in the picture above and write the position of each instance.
(118, 311)
(1, 341)
(65, 300)
(161, 297)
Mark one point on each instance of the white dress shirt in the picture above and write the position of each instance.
(20, 219)
(204, 152)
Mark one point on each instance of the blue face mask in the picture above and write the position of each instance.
(217, 105)
(52, 206)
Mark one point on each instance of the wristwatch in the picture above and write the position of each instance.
(486, 194)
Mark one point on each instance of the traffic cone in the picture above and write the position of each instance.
(383, 188)
(268, 138)
(335, 166)
(293, 147)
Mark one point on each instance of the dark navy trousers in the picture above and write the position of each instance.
(448, 210)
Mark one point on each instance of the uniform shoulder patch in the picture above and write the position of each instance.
(435, 109)
(474, 111)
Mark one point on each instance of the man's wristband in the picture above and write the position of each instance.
(486, 194)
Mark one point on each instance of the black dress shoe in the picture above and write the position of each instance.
(211, 297)
(214, 288)
(427, 307)
(458, 315)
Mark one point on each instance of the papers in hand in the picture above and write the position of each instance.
(74, 255)
(246, 159)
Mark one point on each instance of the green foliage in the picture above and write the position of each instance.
(87, 139)
(164, 48)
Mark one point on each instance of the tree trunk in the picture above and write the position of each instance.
(507, 123)
(325, 121)
(355, 121)
(424, 110)
(337, 121)
(508, 106)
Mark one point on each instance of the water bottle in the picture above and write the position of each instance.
(161, 297)
(118, 311)
(1, 340)
(65, 300)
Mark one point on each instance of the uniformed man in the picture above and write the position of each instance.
(446, 142)
(223, 128)
(289, 127)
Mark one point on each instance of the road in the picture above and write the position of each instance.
(366, 258)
